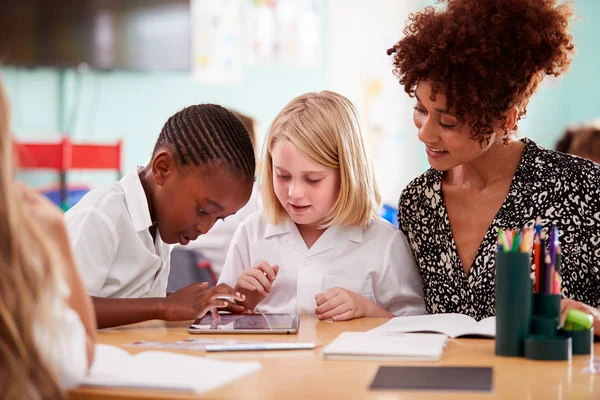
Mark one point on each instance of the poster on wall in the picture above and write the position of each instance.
(217, 44)
(284, 32)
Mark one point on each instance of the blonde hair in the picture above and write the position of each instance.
(324, 127)
(30, 280)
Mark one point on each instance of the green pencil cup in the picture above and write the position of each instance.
(583, 341)
(547, 305)
(548, 348)
(544, 325)
(513, 303)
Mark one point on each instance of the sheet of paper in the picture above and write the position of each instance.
(115, 367)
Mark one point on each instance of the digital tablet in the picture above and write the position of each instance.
(247, 323)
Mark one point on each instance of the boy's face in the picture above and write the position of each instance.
(187, 204)
(306, 189)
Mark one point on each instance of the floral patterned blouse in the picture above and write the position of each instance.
(563, 190)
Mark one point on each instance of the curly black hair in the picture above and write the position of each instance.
(485, 56)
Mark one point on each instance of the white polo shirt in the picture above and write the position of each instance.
(65, 350)
(113, 247)
(374, 261)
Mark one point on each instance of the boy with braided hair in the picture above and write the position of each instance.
(202, 169)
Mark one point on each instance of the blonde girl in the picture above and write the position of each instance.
(319, 246)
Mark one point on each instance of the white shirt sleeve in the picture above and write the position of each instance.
(94, 240)
(74, 363)
(238, 257)
(399, 289)
(65, 351)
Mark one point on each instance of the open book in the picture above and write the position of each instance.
(453, 325)
(163, 370)
(386, 346)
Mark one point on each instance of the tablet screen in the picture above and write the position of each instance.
(263, 323)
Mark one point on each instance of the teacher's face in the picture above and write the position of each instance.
(447, 141)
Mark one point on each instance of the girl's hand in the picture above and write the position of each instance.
(256, 283)
(342, 305)
(568, 304)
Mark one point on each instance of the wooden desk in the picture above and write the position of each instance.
(304, 375)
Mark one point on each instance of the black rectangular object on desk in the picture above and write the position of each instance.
(433, 378)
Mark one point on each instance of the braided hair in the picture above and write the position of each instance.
(208, 135)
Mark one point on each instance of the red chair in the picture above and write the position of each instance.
(65, 155)
(96, 156)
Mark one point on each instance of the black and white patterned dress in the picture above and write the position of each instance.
(563, 190)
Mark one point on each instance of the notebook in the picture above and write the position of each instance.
(453, 325)
(434, 378)
(163, 370)
(386, 346)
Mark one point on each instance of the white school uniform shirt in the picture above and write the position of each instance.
(374, 261)
(64, 352)
(113, 247)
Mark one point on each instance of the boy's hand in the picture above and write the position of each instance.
(195, 300)
(256, 283)
(341, 305)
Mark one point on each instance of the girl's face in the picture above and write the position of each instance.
(188, 204)
(306, 189)
(447, 141)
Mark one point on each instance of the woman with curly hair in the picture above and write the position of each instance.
(472, 68)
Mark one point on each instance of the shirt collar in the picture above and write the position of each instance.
(285, 226)
(136, 200)
(353, 233)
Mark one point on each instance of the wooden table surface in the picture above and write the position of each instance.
(304, 374)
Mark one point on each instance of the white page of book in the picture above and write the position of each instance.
(452, 325)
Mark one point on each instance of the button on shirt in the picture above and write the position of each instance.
(373, 261)
(114, 250)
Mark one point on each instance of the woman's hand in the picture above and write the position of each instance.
(568, 304)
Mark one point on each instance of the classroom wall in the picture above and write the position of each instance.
(571, 98)
(355, 35)
(135, 105)
(361, 33)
